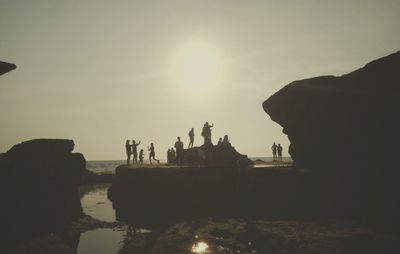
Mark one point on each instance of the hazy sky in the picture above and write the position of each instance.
(99, 72)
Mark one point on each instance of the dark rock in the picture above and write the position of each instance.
(348, 119)
(6, 67)
(210, 155)
(346, 130)
(39, 188)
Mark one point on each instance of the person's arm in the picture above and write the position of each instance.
(139, 143)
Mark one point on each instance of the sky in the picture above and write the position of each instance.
(100, 72)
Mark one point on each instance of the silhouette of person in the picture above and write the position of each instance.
(191, 137)
(279, 152)
(152, 153)
(173, 155)
(219, 142)
(134, 151)
(141, 156)
(169, 156)
(179, 151)
(128, 151)
(226, 141)
(206, 133)
(274, 148)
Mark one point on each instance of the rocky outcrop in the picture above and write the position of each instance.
(220, 155)
(348, 119)
(6, 67)
(346, 130)
(38, 189)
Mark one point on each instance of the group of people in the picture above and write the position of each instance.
(131, 149)
(173, 155)
(224, 142)
(176, 156)
(276, 152)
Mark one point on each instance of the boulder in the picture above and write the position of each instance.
(38, 188)
(219, 155)
(346, 130)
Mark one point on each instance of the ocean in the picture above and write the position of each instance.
(108, 166)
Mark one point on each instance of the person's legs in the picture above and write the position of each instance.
(128, 159)
(150, 158)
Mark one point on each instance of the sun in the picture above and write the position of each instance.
(198, 66)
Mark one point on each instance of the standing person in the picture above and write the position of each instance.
(128, 151)
(274, 148)
(191, 137)
(173, 155)
(134, 151)
(141, 156)
(169, 156)
(279, 152)
(179, 151)
(152, 153)
(206, 133)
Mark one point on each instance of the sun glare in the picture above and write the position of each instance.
(198, 66)
(200, 247)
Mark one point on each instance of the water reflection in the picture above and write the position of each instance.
(99, 241)
(96, 204)
(200, 247)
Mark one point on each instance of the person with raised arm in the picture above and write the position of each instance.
(134, 151)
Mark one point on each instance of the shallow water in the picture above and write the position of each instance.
(99, 241)
(104, 240)
(96, 204)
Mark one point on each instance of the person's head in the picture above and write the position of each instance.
(151, 144)
(127, 141)
(192, 129)
(133, 142)
(274, 143)
(179, 138)
(206, 123)
(279, 144)
(226, 137)
(220, 139)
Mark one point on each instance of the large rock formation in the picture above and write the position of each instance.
(346, 130)
(38, 189)
(347, 119)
